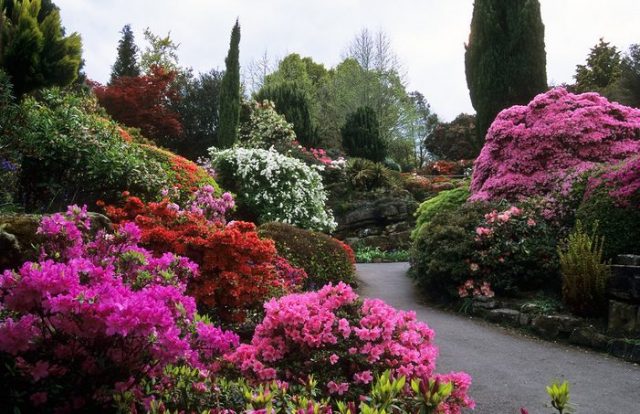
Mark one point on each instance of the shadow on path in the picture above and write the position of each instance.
(509, 370)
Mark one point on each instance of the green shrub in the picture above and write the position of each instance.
(442, 249)
(71, 154)
(444, 201)
(325, 259)
(361, 135)
(368, 254)
(584, 275)
(619, 220)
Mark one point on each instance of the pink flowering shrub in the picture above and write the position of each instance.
(537, 149)
(96, 315)
(515, 250)
(344, 342)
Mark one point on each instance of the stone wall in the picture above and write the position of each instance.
(624, 297)
(384, 221)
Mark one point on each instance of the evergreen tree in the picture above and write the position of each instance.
(601, 71)
(34, 51)
(229, 117)
(126, 62)
(505, 60)
(361, 135)
(292, 102)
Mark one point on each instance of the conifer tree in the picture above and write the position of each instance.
(229, 117)
(505, 59)
(361, 135)
(126, 63)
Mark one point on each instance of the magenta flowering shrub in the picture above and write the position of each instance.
(205, 202)
(344, 342)
(536, 149)
(96, 315)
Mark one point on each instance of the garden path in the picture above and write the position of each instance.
(510, 370)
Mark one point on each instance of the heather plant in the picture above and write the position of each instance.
(542, 147)
(584, 272)
(273, 187)
(345, 343)
(444, 201)
(324, 259)
(94, 316)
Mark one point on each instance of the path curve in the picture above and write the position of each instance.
(509, 370)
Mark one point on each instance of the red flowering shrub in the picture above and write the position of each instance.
(344, 342)
(238, 269)
(531, 149)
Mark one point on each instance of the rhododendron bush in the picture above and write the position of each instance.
(344, 342)
(536, 149)
(94, 316)
(238, 270)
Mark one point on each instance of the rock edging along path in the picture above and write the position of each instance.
(509, 370)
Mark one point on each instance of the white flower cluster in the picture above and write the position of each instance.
(276, 187)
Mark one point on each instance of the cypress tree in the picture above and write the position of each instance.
(505, 60)
(229, 117)
(361, 135)
(126, 63)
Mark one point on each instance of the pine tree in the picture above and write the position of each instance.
(505, 58)
(361, 135)
(601, 71)
(126, 62)
(229, 117)
(34, 50)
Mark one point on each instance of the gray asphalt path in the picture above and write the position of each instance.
(510, 370)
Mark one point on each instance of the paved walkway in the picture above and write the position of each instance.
(510, 370)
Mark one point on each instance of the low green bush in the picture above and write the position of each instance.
(325, 259)
(369, 254)
(444, 201)
(365, 175)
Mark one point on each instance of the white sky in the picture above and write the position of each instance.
(427, 35)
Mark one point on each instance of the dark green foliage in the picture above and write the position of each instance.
(455, 140)
(34, 51)
(364, 175)
(442, 249)
(126, 62)
(9, 157)
(361, 136)
(505, 60)
(292, 102)
(627, 90)
(445, 201)
(70, 154)
(619, 225)
(325, 259)
(601, 71)
(197, 106)
(229, 114)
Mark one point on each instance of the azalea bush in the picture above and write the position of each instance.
(238, 270)
(324, 259)
(542, 147)
(344, 342)
(273, 187)
(94, 316)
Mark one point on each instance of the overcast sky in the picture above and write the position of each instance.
(427, 35)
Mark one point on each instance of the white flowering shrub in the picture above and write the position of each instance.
(274, 187)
